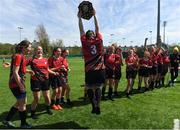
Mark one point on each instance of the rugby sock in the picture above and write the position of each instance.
(103, 91)
(52, 102)
(57, 101)
(110, 93)
(11, 113)
(98, 96)
(163, 81)
(91, 97)
(22, 115)
(33, 112)
(48, 110)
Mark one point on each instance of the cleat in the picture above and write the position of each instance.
(26, 126)
(8, 124)
(59, 107)
(54, 107)
(98, 112)
(93, 110)
(49, 112)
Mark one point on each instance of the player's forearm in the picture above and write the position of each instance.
(96, 24)
(81, 28)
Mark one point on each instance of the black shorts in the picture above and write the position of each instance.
(39, 85)
(109, 74)
(117, 74)
(64, 81)
(159, 68)
(95, 78)
(154, 70)
(131, 74)
(164, 69)
(144, 72)
(55, 82)
(17, 93)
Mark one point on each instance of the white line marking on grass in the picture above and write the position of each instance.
(176, 124)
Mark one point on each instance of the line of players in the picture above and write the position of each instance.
(44, 73)
(152, 67)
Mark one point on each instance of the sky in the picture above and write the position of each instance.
(126, 22)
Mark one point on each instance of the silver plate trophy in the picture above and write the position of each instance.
(87, 9)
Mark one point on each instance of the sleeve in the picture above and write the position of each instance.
(83, 38)
(28, 61)
(99, 36)
(50, 62)
(17, 60)
(127, 60)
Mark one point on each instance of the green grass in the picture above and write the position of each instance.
(152, 110)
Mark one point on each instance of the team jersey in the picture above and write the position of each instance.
(40, 68)
(118, 62)
(55, 63)
(145, 63)
(166, 60)
(159, 59)
(131, 60)
(64, 68)
(110, 61)
(154, 59)
(92, 50)
(17, 60)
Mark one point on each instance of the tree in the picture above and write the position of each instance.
(43, 37)
(58, 43)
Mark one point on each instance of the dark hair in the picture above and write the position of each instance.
(54, 50)
(19, 47)
(88, 33)
(63, 51)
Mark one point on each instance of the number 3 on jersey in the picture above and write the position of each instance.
(93, 49)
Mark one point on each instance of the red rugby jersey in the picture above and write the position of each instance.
(118, 61)
(110, 61)
(166, 60)
(134, 60)
(92, 50)
(159, 59)
(144, 61)
(40, 68)
(154, 59)
(17, 60)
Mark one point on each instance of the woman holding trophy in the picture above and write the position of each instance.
(92, 48)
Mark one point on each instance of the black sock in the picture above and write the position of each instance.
(110, 93)
(57, 101)
(98, 96)
(103, 91)
(33, 112)
(91, 96)
(11, 113)
(22, 115)
(163, 81)
(52, 102)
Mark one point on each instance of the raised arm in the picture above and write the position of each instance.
(81, 28)
(96, 22)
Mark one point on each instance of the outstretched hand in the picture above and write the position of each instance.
(79, 14)
(94, 12)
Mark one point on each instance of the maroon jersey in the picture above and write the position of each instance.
(118, 62)
(92, 50)
(144, 63)
(55, 63)
(166, 60)
(159, 59)
(40, 68)
(154, 59)
(17, 60)
(64, 68)
(132, 60)
(110, 61)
